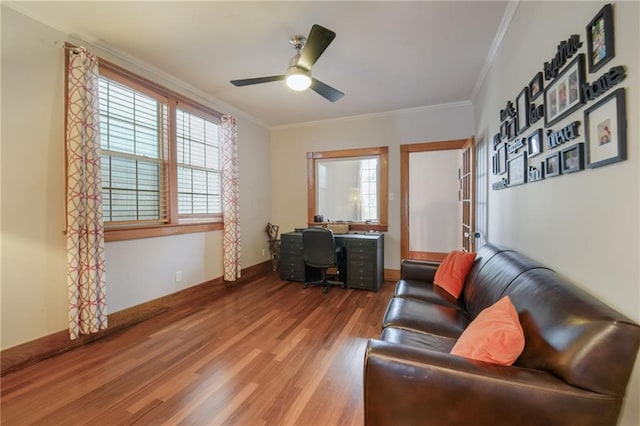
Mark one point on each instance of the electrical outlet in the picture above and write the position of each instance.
(263, 252)
(178, 276)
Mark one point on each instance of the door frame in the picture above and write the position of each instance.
(405, 150)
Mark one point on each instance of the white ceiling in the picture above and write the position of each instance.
(386, 56)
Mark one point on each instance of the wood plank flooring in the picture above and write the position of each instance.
(266, 352)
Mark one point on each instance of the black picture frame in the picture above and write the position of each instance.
(600, 39)
(496, 140)
(503, 129)
(536, 86)
(534, 143)
(605, 125)
(563, 95)
(572, 158)
(522, 109)
(512, 128)
(552, 165)
(517, 170)
(501, 159)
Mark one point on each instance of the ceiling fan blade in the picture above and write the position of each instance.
(249, 81)
(325, 90)
(319, 39)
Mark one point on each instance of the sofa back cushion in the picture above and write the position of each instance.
(495, 268)
(573, 335)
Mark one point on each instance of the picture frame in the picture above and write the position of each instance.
(600, 39)
(536, 86)
(496, 140)
(572, 158)
(534, 143)
(552, 165)
(563, 95)
(501, 159)
(605, 125)
(503, 129)
(522, 109)
(517, 170)
(512, 128)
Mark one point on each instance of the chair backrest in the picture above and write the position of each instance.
(318, 247)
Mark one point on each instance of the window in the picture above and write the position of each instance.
(160, 159)
(198, 165)
(369, 189)
(349, 185)
(132, 129)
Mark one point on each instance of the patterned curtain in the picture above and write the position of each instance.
(85, 231)
(230, 199)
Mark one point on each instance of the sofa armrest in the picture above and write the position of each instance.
(410, 385)
(418, 270)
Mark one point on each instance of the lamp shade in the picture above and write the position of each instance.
(298, 78)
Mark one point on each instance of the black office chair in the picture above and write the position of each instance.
(319, 251)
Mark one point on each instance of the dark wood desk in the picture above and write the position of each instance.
(364, 259)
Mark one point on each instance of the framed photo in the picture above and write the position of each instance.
(605, 125)
(501, 159)
(563, 95)
(503, 129)
(512, 130)
(522, 108)
(535, 86)
(517, 170)
(496, 140)
(600, 45)
(552, 165)
(534, 143)
(572, 158)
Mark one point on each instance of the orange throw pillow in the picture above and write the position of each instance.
(494, 336)
(453, 270)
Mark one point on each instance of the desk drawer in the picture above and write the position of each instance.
(291, 246)
(292, 272)
(362, 284)
(361, 275)
(291, 252)
(361, 257)
(361, 246)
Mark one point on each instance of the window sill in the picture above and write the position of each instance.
(122, 234)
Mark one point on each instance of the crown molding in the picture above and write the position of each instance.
(510, 10)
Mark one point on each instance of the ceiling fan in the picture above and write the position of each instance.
(298, 75)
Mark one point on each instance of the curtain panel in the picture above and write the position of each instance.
(86, 281)
(230, 199)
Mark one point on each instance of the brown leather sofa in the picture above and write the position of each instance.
(577, 360)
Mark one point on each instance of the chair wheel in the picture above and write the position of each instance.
(324, 290)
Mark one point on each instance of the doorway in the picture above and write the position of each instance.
(439, 215)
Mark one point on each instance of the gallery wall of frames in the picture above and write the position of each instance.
(530, 147)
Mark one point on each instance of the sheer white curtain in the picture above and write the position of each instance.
(85, 231)
(230, 199)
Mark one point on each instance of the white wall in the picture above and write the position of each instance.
(33, 293)
(289, 146)
(435, 214)
(584, 225)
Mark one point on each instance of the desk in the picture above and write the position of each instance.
(364, 259)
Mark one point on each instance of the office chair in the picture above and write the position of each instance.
(319, 251)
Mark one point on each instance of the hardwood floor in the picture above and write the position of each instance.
(266, 352)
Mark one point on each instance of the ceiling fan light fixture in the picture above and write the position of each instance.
(298, 78)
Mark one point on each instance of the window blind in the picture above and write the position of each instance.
(133, 138)
(198, 158)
